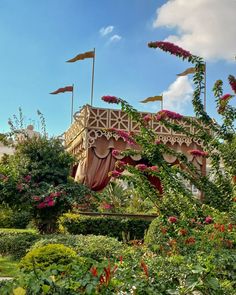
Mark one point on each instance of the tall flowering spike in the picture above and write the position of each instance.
(232, 82)
(171, 48)
(111, 99)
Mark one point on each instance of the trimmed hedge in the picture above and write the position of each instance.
(14, 218)
(16, 242)
(90, 246)
(106, 226)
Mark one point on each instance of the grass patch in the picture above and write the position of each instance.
(8, 267)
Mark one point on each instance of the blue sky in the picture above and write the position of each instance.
(37, 37)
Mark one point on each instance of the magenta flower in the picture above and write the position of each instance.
(115, 153)
(209, 219)
(147, 118)
(51, 203)
(157, 142)
(120, 165)
(111, 99)
(170, 47)
(126, 136)
(107, 206)
(141, 167)
(198, 153)
(114, 174)
(172, 219)
(165, 114)
(27, 178)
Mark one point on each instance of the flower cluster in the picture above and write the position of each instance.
(111, 99)
(147, 118)
(170, 47)
(49, 201)
(232, 82)
(226, 97)
(198, 153)
(165, 114)
(115, 153)
(126, 136)
(141, 167)
(172, 219)
(120, 165)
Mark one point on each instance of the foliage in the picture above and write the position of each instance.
(13, 218)
(16, 242)
(218, 142)
(77, 224)
(90, 246)
(35, 179)
(45, 256)
(8, 267)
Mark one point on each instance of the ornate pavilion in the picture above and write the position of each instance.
(90, 142)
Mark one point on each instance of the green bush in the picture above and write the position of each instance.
(16, 242)
(106, 226)
(95, 247)
(14, 219)
(45, 256)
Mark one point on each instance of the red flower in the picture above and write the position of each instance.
(145, 268)
(94, 271)
(107, 206)
(208, 219)
(226, 97)
(172, 219)
(165, 114)
(111, 99)
(198, 153)
(157, 142)
(141, 167)
(170, 47)
(120, 165)
(190, 241)
(230, 227)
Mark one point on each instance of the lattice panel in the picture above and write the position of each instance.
(98, 118)
(119, 120)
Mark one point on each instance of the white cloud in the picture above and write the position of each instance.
(106, 30)
(204, 27)
(178, 95)
(115, 38)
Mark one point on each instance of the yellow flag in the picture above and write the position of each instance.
(81, 56)
(152, 98)
(187, 71)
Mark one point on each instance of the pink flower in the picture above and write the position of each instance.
(141, 167)
(107, 206)
(172, 219)
(157, 142)
(153, 168)
(147, 118)
(111, 99)
(165, 114)
(198, 153)
(55, 195)
(36, 198)
(115, 153)
(114, 174)
(170, 47)
(27, 178)
(208, 219)
(51, 203)
(126, 136)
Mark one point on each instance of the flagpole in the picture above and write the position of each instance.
(205, 88)
(92, 78)
(72, 103)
